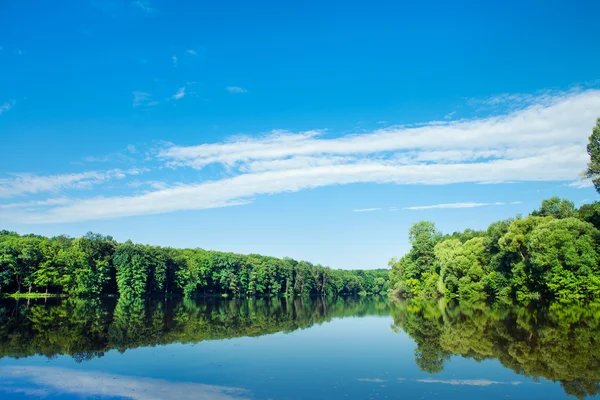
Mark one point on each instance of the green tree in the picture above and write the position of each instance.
(593, 149)
(9, 266)
(590, 213)
(556, 207)
(48, 273)
(416, 273)
(132, 271)
(565, 255)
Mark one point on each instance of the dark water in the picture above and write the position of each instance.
(296, 349)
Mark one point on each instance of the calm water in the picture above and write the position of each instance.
(295, 349)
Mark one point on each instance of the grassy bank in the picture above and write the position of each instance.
(32, 295)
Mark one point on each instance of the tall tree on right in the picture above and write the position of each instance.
(593, 148)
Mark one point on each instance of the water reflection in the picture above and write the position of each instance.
(86, 329)
(45, 381)
(559, 343)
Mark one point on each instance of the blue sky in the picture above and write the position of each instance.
(315, 130)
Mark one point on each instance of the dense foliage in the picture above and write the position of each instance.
(560, 343)
(87, 328)
(593, 148)
(96, 264)
(554, 253)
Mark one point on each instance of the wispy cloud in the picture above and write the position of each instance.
(373, 380)
(516, 101)
(144, 6)
(449, 115)
(191, 51)
(180, 94)
(174, 59)
(125, 156)
(157, 185)
(366, 209)
(7, 106)
(587, 183)
(60, 381)
(23, 184)
(459, 205)
(544, 141)
(143, 99)
(37, 203)
(235, 89)
(518, 144)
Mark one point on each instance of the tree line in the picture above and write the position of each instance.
(553, 253)
(95, 265)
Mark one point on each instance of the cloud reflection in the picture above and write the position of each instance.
(92, 383)
(468, 382)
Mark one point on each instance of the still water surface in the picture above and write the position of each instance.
(344, 348)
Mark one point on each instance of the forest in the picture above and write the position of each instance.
(98, 265)
(551, 254)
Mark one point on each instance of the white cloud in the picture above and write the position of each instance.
(373, 380)
(539, 133)
(125, 156)
(24, 184)
(449, 115)
(191, 51)
(382, 122)
(292, 163)
(61, 381)
(587, 183)
(144, 6)
(7, 106)
(142, 99)
(180, 94)
(235, 89)
(366, 209)
(174, 58)
(458, 205)
(136, 171)
(543, 142)
(157, 185)
(514, 101)
(37, 203)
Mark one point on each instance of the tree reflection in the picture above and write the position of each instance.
(559, 343)
(85, 329)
